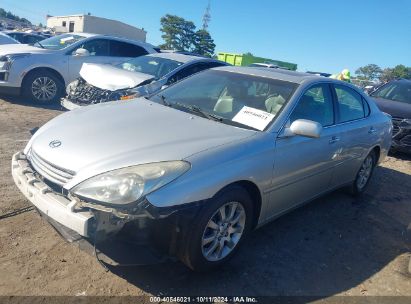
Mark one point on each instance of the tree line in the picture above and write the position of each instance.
(11, 16)
(373, 72)
(181, 35)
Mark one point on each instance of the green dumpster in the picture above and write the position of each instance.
(247, 59)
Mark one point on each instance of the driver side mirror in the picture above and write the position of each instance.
(81, 52)
(303, 127)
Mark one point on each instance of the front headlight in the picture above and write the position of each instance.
(127, 185)
(7, 60)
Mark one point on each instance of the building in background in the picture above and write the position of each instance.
(93, 24)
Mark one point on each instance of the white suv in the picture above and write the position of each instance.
(42, 71)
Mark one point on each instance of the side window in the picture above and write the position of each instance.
(97, 47)
(349, 103)
(124, 49)
(190, 70)
(316, 104)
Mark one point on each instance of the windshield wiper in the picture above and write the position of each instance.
(40, 44)
(198, 110)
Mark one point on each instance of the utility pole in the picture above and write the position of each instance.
(206, 16)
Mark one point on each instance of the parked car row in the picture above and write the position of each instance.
(41, 71)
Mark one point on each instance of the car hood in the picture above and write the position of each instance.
(394, 108)
(21, 49)
(104, 137)
(108, 77)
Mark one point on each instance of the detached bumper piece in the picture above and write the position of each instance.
(67, 104)
(54, 205)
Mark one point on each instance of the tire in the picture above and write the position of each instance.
(43, 87)
(194, 252)
(364, 175)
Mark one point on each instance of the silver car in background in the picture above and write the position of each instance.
(204, 161)
(136, 77)
(41, 71)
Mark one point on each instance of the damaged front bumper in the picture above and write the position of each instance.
(401, 139)
(68, 105)
(138, 231)
(84, 94)
(51, 203)
(85, 218)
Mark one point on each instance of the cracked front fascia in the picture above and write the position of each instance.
(79, 204)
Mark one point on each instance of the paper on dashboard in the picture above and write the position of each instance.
(254, 118)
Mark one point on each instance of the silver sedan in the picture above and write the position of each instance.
(203, 162)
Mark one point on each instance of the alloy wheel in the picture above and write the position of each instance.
(44, 88)
(365, 172)
(223, 231)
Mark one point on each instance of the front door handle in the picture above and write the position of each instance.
(334, 139)
(372, 130)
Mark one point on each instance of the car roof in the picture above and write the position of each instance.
(88, 35)
(137, 42)
(279, 74)
(181, 57)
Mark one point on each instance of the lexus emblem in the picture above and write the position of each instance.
(55, 143)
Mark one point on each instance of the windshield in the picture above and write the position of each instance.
(232, 98)
(397, 91)
(155, 66)
(58, 42)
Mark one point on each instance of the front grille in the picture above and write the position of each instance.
(395, 124)
(85, 93)
(406, 140)
(49, 171)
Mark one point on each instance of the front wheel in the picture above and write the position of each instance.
(43, 87)
(219, 230)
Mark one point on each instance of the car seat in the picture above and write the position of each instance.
(233, 99)
(274, 103)
(309, 109)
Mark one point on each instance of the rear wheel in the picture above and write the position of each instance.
(364, 174)
(43, 87)
(219, 230)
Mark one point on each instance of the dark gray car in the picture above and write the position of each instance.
(394, 98)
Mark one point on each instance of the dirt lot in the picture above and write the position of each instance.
(336, 245)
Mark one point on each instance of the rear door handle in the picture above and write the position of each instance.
(334, 139)
(372, 130)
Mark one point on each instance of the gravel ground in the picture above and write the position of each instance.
(336, 245)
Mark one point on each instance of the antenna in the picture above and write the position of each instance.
(207, 16)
